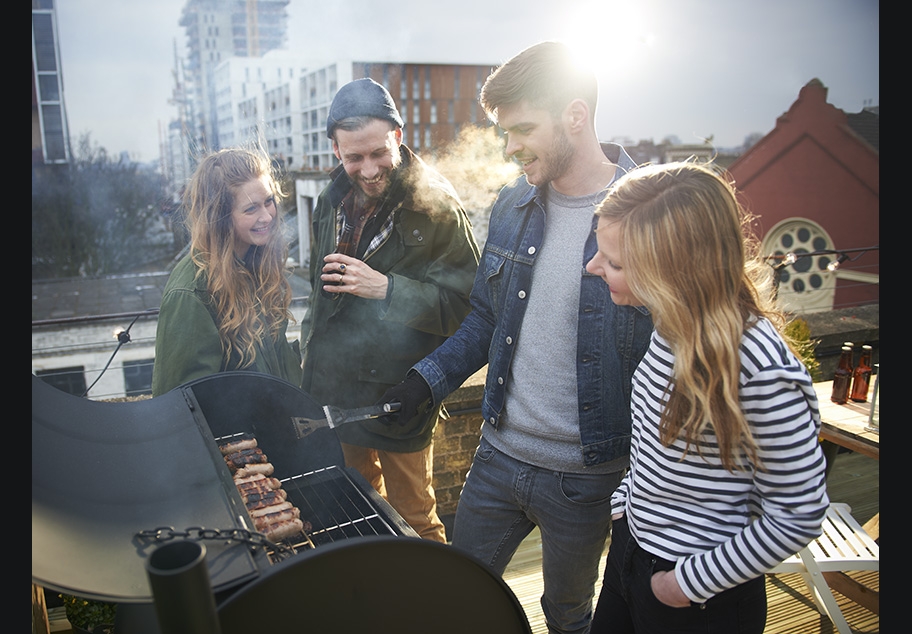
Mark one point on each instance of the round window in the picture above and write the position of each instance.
(805, 285)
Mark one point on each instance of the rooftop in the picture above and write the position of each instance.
(76, 297)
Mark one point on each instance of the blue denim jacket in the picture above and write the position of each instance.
(612, 339)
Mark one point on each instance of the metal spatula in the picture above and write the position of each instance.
(335, 416)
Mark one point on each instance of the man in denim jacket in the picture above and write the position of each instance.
(560, 354)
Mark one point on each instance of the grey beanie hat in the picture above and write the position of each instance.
(362, 98)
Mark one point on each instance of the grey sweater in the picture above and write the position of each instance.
(541, 421)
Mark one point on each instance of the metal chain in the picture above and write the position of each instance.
(241, 535)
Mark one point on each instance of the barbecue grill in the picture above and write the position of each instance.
(114, 482)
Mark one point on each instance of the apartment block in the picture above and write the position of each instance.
(256, 98)
(218, 30)
(50, 136)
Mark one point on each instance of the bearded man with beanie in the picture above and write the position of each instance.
(392, 262)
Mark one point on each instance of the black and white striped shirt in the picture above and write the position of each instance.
(726, 528)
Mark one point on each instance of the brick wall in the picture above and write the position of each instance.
(455, 442)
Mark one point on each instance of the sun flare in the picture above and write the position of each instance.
(612, 33)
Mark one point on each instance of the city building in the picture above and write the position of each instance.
(257, 101)
(237, 85)
(216, 31)
(50, 133)
(175, 157)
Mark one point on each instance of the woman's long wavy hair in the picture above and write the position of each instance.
(251, 299)
(689, 257)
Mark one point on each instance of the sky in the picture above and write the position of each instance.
(682, 68)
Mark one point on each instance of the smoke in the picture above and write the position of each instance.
(476, 166)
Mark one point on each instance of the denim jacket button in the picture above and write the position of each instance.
(500, 380)
(531, 250)
(509, 341)
(521, 294)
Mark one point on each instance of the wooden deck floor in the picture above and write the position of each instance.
(854, 479)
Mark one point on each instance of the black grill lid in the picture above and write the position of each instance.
(264, 405)
(102, 472)
(377, 584)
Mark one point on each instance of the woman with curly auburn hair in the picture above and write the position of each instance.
(726, 473)
(225, 306)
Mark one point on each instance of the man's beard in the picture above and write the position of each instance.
(388, 177)
(558, 158)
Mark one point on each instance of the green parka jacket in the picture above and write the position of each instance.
(187, 343)
(354, 349)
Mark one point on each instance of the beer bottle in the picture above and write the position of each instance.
(842, 381)
(850, 346)
(861, 377)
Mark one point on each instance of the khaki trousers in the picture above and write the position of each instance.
(404, 480)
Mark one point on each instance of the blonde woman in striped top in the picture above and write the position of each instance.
(726, 474)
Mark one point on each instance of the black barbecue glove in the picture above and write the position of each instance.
(412, 393)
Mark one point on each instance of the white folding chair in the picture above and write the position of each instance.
(843, 545)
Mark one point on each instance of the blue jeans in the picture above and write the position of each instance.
(627, 603)
(504, 499)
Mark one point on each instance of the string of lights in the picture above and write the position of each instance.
(798, 287)
(123, 337)
(780, 261)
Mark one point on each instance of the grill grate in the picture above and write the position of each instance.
(334, 506)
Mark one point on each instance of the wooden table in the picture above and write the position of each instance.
(847, 425)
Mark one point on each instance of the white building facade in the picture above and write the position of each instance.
(317, 89)
(256, 102)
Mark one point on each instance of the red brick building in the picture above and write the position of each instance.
(814, 183)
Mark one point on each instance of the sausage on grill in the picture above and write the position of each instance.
(266, 468)
(270, 496)
(238, 443)
(242, 458)
(262, 482)
(283, 530)
(259, 501)
(278, 516)
(273, 515)
(269, 508)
